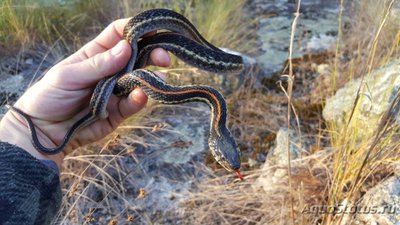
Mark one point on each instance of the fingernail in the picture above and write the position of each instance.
(133, 95)
(116, 50)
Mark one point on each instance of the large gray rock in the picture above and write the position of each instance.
(315, 31)
(384, 200)
(279, 155)
(275, 167)
(377, 93)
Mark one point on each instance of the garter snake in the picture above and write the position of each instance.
(183, 40)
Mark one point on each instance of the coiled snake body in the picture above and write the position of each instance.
(184, 41)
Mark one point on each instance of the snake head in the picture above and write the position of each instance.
(225, 150)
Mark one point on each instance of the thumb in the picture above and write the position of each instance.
(93, 69)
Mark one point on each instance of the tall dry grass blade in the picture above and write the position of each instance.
(339, 36)
(372, 53)
(289, 111)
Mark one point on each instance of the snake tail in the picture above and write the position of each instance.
(84, 121)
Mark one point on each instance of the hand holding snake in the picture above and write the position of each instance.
(61, 97)
(187, 44)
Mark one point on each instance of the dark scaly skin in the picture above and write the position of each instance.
(211, 60)
(222, 145)
(186, 28)
(137, 26)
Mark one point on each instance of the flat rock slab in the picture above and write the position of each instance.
(167, 160)
(315, 32)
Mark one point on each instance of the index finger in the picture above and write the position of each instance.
(107, 39)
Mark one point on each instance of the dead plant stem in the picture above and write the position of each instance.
(289, 95)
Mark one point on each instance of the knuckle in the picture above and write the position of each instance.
(94, 62)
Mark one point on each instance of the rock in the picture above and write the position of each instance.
(376, 96)
(170, 155)
(315, 31)
(385, 200)
(11, 83)
(247, 60)
(251, 68)
(20, 71)
(320, 43)
(29, 61)
(321, 68)
(279, 155)
(275, 167)
(10, 90)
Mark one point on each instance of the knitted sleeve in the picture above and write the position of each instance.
(30, 190)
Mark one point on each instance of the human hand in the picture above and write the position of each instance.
(62, 96)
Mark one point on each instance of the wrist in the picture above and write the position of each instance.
(14, 130)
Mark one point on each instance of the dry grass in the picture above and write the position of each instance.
(362, 158)
(25, 23)
(333, 176)
(367, 42)
(97, 181)
(261, 199)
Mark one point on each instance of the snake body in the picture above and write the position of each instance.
(184, 41)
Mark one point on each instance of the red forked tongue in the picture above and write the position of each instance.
(239, 175)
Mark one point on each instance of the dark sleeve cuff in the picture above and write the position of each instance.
(30, 190)
(51, 164)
